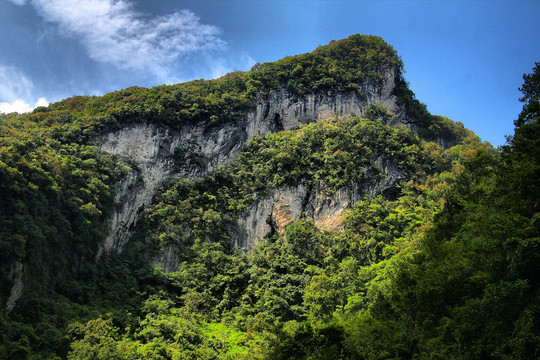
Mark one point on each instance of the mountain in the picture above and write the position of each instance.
(308, 208)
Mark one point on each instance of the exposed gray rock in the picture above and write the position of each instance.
(392, 175)
(271, 213)
(281, 111)
(16, 274)
(167, 259)
(158, 152)
(150, 149)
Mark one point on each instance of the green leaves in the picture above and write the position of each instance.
(442, 263)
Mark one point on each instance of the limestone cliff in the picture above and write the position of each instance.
(188, 131)
(158, 152)
(272, 212)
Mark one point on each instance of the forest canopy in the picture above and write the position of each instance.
(442, 264)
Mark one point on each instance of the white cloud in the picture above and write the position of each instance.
(20, 106)
(15, 91)
(14, 84)
(41, 102)
(114, 32)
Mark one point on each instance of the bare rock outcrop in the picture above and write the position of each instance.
(324, 207)
(16, 274)
(157, 152)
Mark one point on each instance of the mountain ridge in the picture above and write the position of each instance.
(310, 208)
(191, 129)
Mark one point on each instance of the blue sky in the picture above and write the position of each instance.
(463, 59)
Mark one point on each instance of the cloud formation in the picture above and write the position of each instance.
(14, 84)
(16, 90)
(113, 32)
(20, 106)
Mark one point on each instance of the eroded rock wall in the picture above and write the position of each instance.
(157, 152)
(281, 111)
(323, 206)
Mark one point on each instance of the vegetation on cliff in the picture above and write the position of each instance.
(443, 264)
(341, 66)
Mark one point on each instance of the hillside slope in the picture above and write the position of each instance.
(284, 212)
(61, 155)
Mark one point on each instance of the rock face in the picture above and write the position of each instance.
(273, 212)
(280, 111)
(16, 273)
(157, 153)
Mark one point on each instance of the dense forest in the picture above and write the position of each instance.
(441, 265)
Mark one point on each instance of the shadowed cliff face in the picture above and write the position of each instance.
(157, 152)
